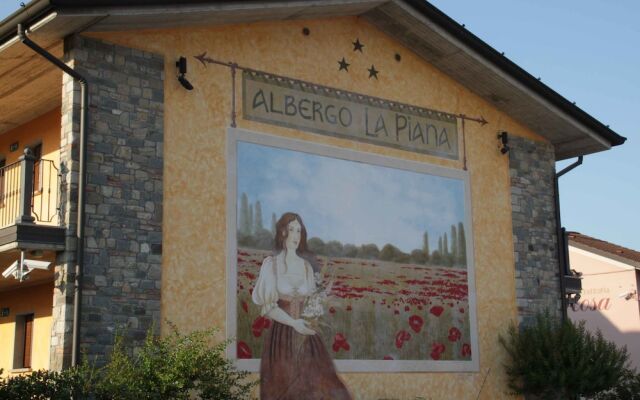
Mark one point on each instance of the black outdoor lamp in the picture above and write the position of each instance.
(504, 141)
(181, 64)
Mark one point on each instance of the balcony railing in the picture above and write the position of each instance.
(29, 192)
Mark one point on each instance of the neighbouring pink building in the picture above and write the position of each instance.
(609, 299)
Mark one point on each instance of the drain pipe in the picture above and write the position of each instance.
(84, 102)
(563, 260)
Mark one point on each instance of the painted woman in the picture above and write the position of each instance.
(295, 364)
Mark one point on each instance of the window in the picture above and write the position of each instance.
(37, 168)
(23, 341)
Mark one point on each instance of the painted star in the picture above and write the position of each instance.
(373, 73)
(357, 46)
(344, 65)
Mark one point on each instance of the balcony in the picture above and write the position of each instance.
(30, 205)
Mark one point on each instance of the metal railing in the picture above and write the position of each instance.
(29, 192)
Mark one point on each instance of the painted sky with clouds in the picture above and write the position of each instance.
(349, 201)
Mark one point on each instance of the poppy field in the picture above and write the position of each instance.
(376, 310)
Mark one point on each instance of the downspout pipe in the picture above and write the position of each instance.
(84, 102)
(563, 257)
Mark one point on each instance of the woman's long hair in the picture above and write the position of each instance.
(282, 232)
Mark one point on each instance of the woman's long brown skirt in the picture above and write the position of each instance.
(297, 367)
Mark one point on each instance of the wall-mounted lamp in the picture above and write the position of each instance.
(181, 64)
(504, 142)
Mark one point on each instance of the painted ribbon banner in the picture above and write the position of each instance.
(297, 104)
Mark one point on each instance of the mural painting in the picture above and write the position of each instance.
(345, 261)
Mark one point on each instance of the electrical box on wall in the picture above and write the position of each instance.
(4, 312)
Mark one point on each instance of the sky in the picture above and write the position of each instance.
(586, 50)
(348, 201)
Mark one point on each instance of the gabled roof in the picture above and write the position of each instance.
(606, 249)
(415, 23)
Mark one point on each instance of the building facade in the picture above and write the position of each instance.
(609, 298)
(396, 88)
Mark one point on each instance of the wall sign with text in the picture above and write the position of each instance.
(297, 104)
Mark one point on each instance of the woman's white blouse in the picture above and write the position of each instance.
(273, 283)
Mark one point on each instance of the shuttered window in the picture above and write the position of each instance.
(28, 339)
(23, 342)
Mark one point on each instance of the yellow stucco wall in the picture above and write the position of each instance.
(44, 129)
(194, 220)
(34, 299)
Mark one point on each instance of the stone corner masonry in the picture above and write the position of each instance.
(532, 169)
(123, 232)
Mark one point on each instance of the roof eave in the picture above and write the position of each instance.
(511, 68)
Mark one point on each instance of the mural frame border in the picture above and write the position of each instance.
(235, 135)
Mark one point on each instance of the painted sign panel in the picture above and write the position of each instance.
(320, 109)
(364, 259)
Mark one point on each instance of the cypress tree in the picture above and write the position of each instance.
(258, 219)
(462, 244)
(273, 224)
(250, 221)
(440, 245)
(425, 245)
(454, 245)
(243, 222)
(445, 246)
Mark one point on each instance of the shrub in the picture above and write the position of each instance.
(174, 367)
(177, 367)
(628, 388)
(47, 385)
(555, 360)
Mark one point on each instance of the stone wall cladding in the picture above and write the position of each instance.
(62, 313)
(532, 170)
(123, 230)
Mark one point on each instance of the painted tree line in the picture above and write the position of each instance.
(451, 251)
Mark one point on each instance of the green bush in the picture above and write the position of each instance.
(46, 385)
(555, 360)
(628, 388)
(177, 367)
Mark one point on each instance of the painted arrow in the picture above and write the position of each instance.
(480, 120)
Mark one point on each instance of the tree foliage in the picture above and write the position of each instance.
(561, 360)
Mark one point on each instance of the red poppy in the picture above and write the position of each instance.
(466, 350)
(436, 310)
(243, 350)
(245, 307)
(349, 308)
(396, 312)
(436, 350)
(259, 324)
(406, 308)
(332, 310)
(340, 342)
(454, 334)
(416, 322)
(401, 337)
(462, 310)
(388, 358)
